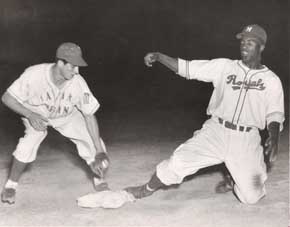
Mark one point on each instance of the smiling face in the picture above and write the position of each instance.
(251, 50)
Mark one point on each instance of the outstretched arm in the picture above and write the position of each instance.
(169, 62)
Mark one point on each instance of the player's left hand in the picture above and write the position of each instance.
(100, 165)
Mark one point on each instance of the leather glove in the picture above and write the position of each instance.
(100, 165)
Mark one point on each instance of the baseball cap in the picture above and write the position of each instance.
(72, 53)
(253, 31)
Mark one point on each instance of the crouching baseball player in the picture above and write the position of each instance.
(54, 95)
(247, 96)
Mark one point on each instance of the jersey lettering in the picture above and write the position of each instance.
(59, 107)
(236, 85)
(66, 109)
(86, 98)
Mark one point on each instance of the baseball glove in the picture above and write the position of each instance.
(100, 165)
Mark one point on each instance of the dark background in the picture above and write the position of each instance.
(145, 112)
(115, 35)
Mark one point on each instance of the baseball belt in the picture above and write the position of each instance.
(232, 126)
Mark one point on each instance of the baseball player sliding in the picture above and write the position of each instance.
(55, 95)
(247, 96)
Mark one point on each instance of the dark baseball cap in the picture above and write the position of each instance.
(72, 53)
(253, 31)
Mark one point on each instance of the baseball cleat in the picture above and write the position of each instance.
(224, 186)
(8, 195)
(139, 191)
(100, 185)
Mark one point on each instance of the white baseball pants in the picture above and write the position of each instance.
(73, 127)
(241, 152)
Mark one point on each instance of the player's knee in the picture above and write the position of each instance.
(253, 197)
(251, 200)
(24, 158)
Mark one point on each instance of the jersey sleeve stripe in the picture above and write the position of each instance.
(187, 70)
(15, 96)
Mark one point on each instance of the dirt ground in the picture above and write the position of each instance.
(136, 143)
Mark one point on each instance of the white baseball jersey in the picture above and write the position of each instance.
(62, 106)
(35, 90)
(241, 95)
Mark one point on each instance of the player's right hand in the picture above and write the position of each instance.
(100, 165)
(37, 121)
(150, 58)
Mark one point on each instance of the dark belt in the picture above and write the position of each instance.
(232, 126)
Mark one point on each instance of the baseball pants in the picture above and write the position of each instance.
(241, 152)
(73, 127)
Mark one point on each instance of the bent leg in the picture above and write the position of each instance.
(25, 152)
(28, 145)
(75, 129)
(248, 169)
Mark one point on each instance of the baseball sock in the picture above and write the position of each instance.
(154, 183)
(149, 189)
(16, 170)
(11, 184)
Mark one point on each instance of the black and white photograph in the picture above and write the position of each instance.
(135, 113)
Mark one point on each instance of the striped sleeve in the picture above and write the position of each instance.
(203, 70)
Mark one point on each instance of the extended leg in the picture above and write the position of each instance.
(202, 150)
(147, 189)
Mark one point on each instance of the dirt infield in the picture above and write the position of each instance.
(136, 143)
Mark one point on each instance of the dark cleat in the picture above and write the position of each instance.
(8, 195)
(139, 191)
(224, 186)
(100, 185)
